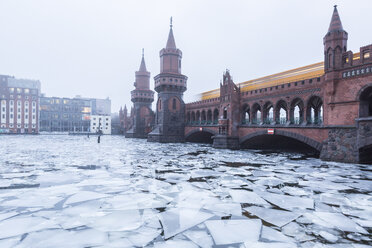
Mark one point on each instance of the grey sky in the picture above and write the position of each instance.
(93, 47)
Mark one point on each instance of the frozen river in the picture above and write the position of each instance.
(69, 191)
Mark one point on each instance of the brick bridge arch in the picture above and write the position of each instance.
(197, 133)
(298, 137)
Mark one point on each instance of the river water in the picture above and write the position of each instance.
(69, 191)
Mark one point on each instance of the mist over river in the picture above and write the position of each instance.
(70, 191)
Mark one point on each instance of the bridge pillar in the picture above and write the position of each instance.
(222, 141)
(341, 145)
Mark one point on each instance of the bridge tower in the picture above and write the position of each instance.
(142, 98)
(335, 45)
(229, 119)
(170, 85)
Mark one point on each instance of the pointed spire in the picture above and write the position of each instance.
(336, 24)
(143, 65)
(171, 42)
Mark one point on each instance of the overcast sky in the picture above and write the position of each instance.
(93, 47)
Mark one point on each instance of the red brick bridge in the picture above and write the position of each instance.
(324, 107)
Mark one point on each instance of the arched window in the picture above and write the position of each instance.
(282, 116)
(365, 108)
(297, 111)
(246, 114)
(258, 117)
(209, 117)
(174, 104)
(225, 113)
(268, 113)
(315, 110)
(256, 114)
(296, 114)
(215, 116)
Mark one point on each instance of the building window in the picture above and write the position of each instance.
(11, 90)
(26, 91)
(174, 104)
(366, 55)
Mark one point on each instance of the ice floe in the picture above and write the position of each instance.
(234, 231)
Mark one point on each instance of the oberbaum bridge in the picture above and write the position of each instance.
(324, 108)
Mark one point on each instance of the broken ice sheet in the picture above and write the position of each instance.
(177, 220)
(175, 244)
(234, 231)
(333, 199)
(295, 191)
(295, 230)
(7, 215)
(142, 236)
(269, 245)
(136, 201)
(201, 238)
(62, 238)
(244, 196)
(223, 209)
(118, 221)
(9, 243)
(287, 202)
(269, 181)
(34, 199)
(84, 196)
(341, 222)
(276, 217)
(270, 234)
(328, 236)
(24, 224)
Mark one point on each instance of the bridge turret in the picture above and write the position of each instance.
(229, 114)
(170, 85)
(142, 92)
(335, 43)
(142, 97)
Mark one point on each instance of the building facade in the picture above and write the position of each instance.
(142, 98)
(71, 114)
(100, 124)
(19, 105)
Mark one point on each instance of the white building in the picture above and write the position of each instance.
(100, 122)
